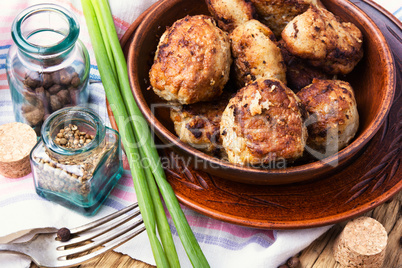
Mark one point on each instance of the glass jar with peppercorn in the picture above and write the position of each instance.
(77, 160)
(47, 66)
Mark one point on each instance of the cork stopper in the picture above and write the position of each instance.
(362, 243)
(16, 143)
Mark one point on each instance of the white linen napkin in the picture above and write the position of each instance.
(224, 244)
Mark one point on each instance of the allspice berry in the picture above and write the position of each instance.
(32, 79)
(54, 89)
(293, 262)
(47, 80)
(65, 77)
(55, 103)
(64, 96)
(75, 81)
(63, 234)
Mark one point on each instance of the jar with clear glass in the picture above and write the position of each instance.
(77, 160)
(47, 66)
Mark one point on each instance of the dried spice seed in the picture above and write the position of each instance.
(63, 234)
(32, 80)
(56, 77)
(64, 96)
(40, 90)
(75, 81)
(47, 80)
(71, 137)
(65, 77)
(54, 89)
(35, 115)
(55, 103)
(63, 141)
(293, 262)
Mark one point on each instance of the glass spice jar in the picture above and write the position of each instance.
(77, 160)
(47, 66)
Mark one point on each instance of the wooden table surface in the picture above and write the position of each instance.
(318, 254)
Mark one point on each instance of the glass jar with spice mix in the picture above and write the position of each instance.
(47, 66)
(77, 160)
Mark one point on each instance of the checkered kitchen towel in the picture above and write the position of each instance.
(224, 244)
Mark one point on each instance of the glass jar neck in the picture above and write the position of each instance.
(84, 119)
(45, 31)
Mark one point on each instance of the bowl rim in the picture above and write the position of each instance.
(317, 166)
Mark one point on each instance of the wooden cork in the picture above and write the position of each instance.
(16, 143)
(362, 243)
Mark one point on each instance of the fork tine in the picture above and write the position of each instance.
(85, 237)
(115, 243)
(94, 244)
(103, 220)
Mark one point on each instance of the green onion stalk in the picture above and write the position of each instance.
(147, 172)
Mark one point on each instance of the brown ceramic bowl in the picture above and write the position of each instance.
(373, 81)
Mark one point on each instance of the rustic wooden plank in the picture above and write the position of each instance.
(111, 259)
(324, 259)
(393, 255)
(311, 254)
(115, 260)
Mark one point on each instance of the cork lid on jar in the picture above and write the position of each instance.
(16, 142)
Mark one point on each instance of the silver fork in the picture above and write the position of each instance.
(46, 250)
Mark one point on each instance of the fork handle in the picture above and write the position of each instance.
(13, 247)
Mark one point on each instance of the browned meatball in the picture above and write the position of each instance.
(263, 123)
(192, 62)
(231, 13)
(334, 118)
(198, 124)
(325, 41)
(299, 73)
(276, 14)
(255, 53)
